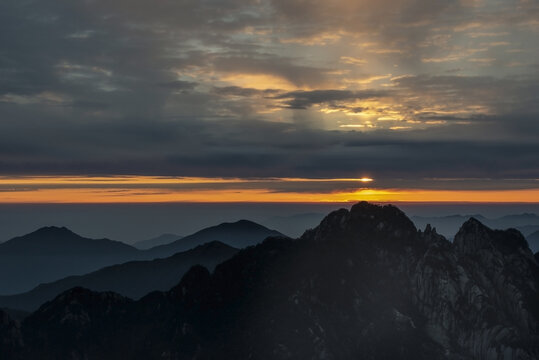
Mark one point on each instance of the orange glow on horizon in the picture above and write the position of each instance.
(147, 189)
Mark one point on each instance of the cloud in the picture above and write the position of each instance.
(269, 88)
(305, 99)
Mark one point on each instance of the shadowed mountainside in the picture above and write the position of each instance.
(363, 284)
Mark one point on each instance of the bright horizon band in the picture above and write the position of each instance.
(148, 189)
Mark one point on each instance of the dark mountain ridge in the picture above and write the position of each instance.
(53, 240)
(363, 284)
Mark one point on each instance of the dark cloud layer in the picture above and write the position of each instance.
(269, 88)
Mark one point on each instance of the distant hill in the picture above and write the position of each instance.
(449, 225)
(132, 279)
(239, 234)
(156, 241)
(53, 252)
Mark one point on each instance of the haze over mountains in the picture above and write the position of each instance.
(238, 234)
(52, 253)
(156, 241)
(365, 283)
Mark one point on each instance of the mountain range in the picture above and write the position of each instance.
(365, 283)
(53, 253)
(133, 279)
(238, 234)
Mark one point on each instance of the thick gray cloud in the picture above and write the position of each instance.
(269, 88)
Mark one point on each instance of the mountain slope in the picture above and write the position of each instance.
(133, 279)
(156, 241)
(239, 234)
(51, 253)
(363, 284)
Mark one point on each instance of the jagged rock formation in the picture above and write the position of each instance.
(364, 284)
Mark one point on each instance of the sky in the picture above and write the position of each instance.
(273, 101)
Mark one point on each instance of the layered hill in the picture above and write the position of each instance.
(239, 234)
(53, 252)
(364, 284)
(133, 279)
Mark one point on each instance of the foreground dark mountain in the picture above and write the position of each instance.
(364, 284)
(53, 252)
(132, 279)
(239, 234)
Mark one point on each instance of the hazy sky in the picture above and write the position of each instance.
(418, 95)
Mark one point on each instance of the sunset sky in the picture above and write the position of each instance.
(269, 101)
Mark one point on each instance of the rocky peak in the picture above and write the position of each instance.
(473, 236)
(431, 237)
(333, 224)
(365, 221)
(430, 230)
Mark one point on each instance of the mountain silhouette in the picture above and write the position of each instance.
(156, 241)
(363, 284)
(132, 279)
(239, 234)
(53, 252)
